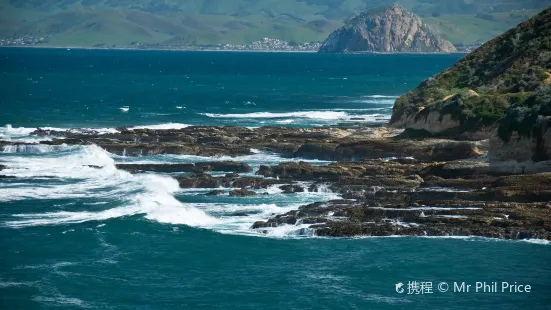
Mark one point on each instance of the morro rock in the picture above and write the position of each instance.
(391, 29)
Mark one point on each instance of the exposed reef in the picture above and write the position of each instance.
(388, 183)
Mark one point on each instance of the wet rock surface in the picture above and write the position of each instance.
(242, 193)
(388, 185)
(225, 166)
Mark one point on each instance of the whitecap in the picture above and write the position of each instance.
(286, 121)
(327, 115)
(536, 241)
(147, 194)
(324, 116)
(382, 96)
(10, 131)
(389, 102)
(166, 126)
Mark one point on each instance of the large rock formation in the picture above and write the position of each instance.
(386, 30)
(471, 97)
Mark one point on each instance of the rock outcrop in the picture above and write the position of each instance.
(391, 29)
(522, 141)
(470, 98)
(386, 185)
(225, 166)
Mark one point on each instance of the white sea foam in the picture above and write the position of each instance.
(290, 231)
(61, 300)
(15, 284)
(537, 241)
(237, 218)
(161, 126)
(325, 116)
(381, 96)
(258, 157)
(146, 194)
(20, 134)
(357, 109)
(23, 134)
(10, 131)
(286, 121)
(389, 102)
(35, 148)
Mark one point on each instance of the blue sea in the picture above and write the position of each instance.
(74, 237)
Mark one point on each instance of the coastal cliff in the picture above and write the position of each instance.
(386, 30)
(470, 98)
(522, 141)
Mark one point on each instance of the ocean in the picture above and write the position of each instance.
(74, 236)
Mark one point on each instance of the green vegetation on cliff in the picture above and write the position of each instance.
(532, 118)
(477, 91)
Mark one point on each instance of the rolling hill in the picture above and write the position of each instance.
(200, 22)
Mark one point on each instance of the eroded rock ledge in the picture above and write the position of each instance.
(388, 185)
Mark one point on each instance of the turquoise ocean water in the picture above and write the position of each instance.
(76, 237)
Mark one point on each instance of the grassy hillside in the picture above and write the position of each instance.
(513, 69)
(121, 22)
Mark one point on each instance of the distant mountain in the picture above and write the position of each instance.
(122, 22)
(386, 29)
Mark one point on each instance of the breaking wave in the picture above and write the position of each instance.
(315, 115)
(90, 172)
(161, 126)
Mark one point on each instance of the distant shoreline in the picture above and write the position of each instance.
(215, 50)
(152, 49)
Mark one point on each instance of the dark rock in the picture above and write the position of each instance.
(215, 193)
(415, 177)
(226, 166)
(323, 151)
(454, 151)
(241, 193)
(255, 183)
(291, 188)
(96, 167)
(166, 168)
(198, 167)
(201, 181)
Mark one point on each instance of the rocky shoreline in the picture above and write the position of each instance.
(389, 184)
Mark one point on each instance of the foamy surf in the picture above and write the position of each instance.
(291, 118)
(24, 134)
(89, 173)
(93, 175)
(326, 115)
(382, 96)
(166, 126)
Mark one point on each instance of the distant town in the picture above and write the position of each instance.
(22, 41)
(264, 45)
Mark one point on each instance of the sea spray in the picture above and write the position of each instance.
(97, 177)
